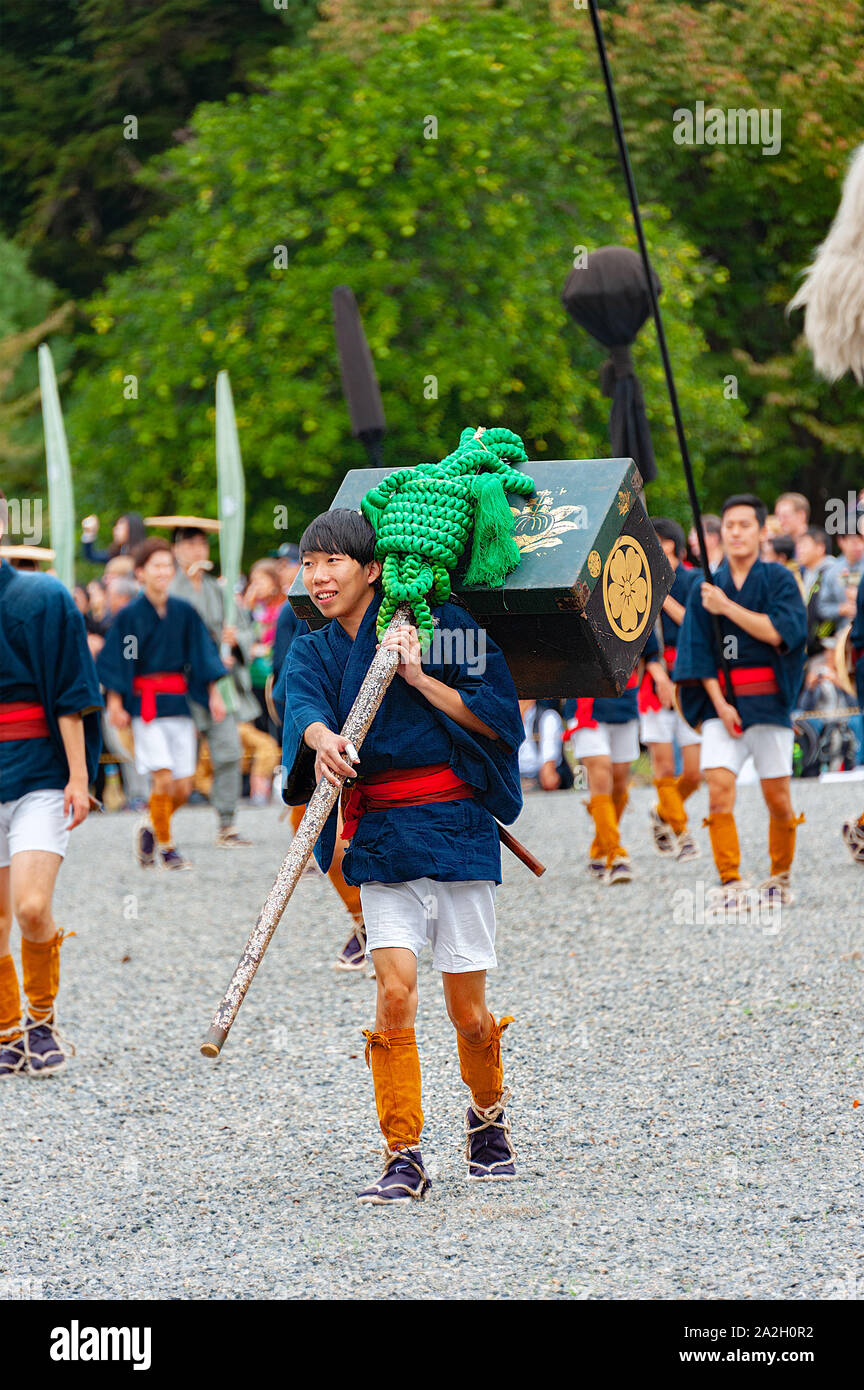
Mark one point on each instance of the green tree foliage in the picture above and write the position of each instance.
(29, 314)
(72, 73)
(446, 179)
(758, 215)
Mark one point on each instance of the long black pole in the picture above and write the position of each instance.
(661, 335)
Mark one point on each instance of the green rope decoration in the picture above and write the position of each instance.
(424, 517)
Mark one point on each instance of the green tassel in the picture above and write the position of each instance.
(494, 553)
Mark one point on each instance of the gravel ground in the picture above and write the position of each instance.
(684, 1092)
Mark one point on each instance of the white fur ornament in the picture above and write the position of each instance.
(832, 294)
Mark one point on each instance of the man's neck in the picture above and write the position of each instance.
(740, 566)
(350, 622)
(158, 600)
(195, 575)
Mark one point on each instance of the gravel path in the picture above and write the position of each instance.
(684, 1092)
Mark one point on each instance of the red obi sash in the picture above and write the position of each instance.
(752, 680)
(404, 786)
(648, 699)
(159, 683)
(22, 719)
(584, 716)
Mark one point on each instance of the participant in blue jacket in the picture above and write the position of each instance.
(763, 623)
(853, 831)
(49, 753)
(660, 724)
(437, 766)
(157, 652)
(603, 734)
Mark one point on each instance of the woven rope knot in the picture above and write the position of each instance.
(424, 518)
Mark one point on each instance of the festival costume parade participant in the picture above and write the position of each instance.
(661, 726)
(541, 757)
(49, 753)
(352, 957)
(603, 733)
(853, 831)
(438, 764)
(763, 622)
(192, 583)
(157, 654)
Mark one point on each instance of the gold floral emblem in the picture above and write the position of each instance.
(595, 564)
(539, 526)
(627, 589)
(625, 502)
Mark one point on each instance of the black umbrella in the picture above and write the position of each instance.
(359, 382)
(609, 298)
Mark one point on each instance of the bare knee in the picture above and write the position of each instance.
(662, 760)
(34, 915)
(471, 1022)
(721, 794)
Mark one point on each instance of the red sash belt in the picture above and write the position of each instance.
(404, 786)
(21, 719)
(159, 683)
(752, 680)
(648, 699)
(584, 716)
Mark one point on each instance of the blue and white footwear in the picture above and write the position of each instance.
(853, 838)
(145, 846)
(489, 1153)
(172, 859)
(687, 848)
(13, 1058)
(45, 1050)
(404, 1180)
(353, 954)
(665, 839)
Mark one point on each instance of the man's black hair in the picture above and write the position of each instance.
(746, 499)
(783, 545)
(820, 537)
(186, 533)
(669, 530)
(340, 532)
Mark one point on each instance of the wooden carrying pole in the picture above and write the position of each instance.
(321, 803)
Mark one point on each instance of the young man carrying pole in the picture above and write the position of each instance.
(438, 765)
(763, 622)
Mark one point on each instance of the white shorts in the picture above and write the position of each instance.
(457, 918)
(171, 742)
(769, 745)
(667, 726)
(35, 821)
(620, 742)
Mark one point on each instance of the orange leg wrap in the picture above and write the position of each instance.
(10, 1001)
(161, 808)
(602, 811)
(724, 845)
(781, 843)
(669, 803)
(395, 1063)
(480, 1065)
(619, 801)
(40, 964)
